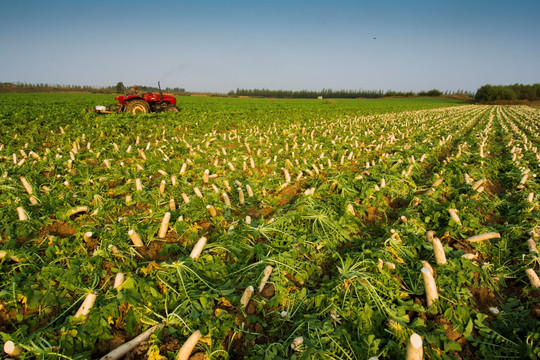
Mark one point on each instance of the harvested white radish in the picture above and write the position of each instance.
(440, 256)
(123, 349)
(431, 288)
(189, 345)
(198, 248)
(246, 296)
(135, 238)
(533, 278)
(12, 349)
(87, 304)
(486, 236)
(266, 275)
(414, 348)
(454, 216)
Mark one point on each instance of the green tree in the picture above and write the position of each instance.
(120, 87)
(434, 92)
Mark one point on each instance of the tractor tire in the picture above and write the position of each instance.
(137, 106)
(172, 108)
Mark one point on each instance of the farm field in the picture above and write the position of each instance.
(269, 229)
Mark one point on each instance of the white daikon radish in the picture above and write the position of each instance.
(87, 304)
(533, 278)
(297, 342)
(414, 348)
(198, 192)
(118, 280)
(22, 214)
(26, 185)
(226, 199)
(477, 184)
(123, 349)
(241, 196)
(12, 349)
(428, 266)
(486, 236)
(135, 238)
(164, 225)
(185, 198)
(162, 186)
(531, 244)
(266, 275)
(189, 345)
(88, 236)
(198, 248)
(454, 216)
(246, 296)
(440, 256)
(211, 210)
(431, 288)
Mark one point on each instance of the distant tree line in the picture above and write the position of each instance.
(492, 93)
(113, 89)
(120, 88)
(336, 94)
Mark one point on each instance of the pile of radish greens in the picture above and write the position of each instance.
(269, 229)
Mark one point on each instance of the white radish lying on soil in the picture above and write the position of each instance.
(87, 304)
(431, 288)
(454, 216)
(118, 280)
(440, 256)
(246, 296)
(414, 348)
(187, 348)
(12, 349)
(482, 237)
(533, 278)
(266, 275)
(123, 349)
(198, 248)
(164, 225)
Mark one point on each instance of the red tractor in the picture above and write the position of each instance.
(145, 103)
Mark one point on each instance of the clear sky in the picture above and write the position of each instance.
(217, 46)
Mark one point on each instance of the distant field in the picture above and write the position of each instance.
(269, 229)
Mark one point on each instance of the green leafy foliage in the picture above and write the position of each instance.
(339, 202)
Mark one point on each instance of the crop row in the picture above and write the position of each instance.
(332, 237)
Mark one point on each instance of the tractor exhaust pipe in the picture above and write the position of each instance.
(160, 92)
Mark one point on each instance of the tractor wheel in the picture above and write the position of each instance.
(172, 108)
(137, 106)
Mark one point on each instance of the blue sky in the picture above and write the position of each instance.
(217, 46)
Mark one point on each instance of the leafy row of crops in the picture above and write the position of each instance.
(316, 226)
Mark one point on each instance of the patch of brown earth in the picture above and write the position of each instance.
(48, 174)
(459, 244)
(484, 299)
(58, 228)
(287, 194)
(104, 347)
(134, 209)
(153, 249)
(494, 187)
(268, 291)
(372, 215)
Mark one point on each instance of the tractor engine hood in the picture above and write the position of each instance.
(148, 97)
(120, 99)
